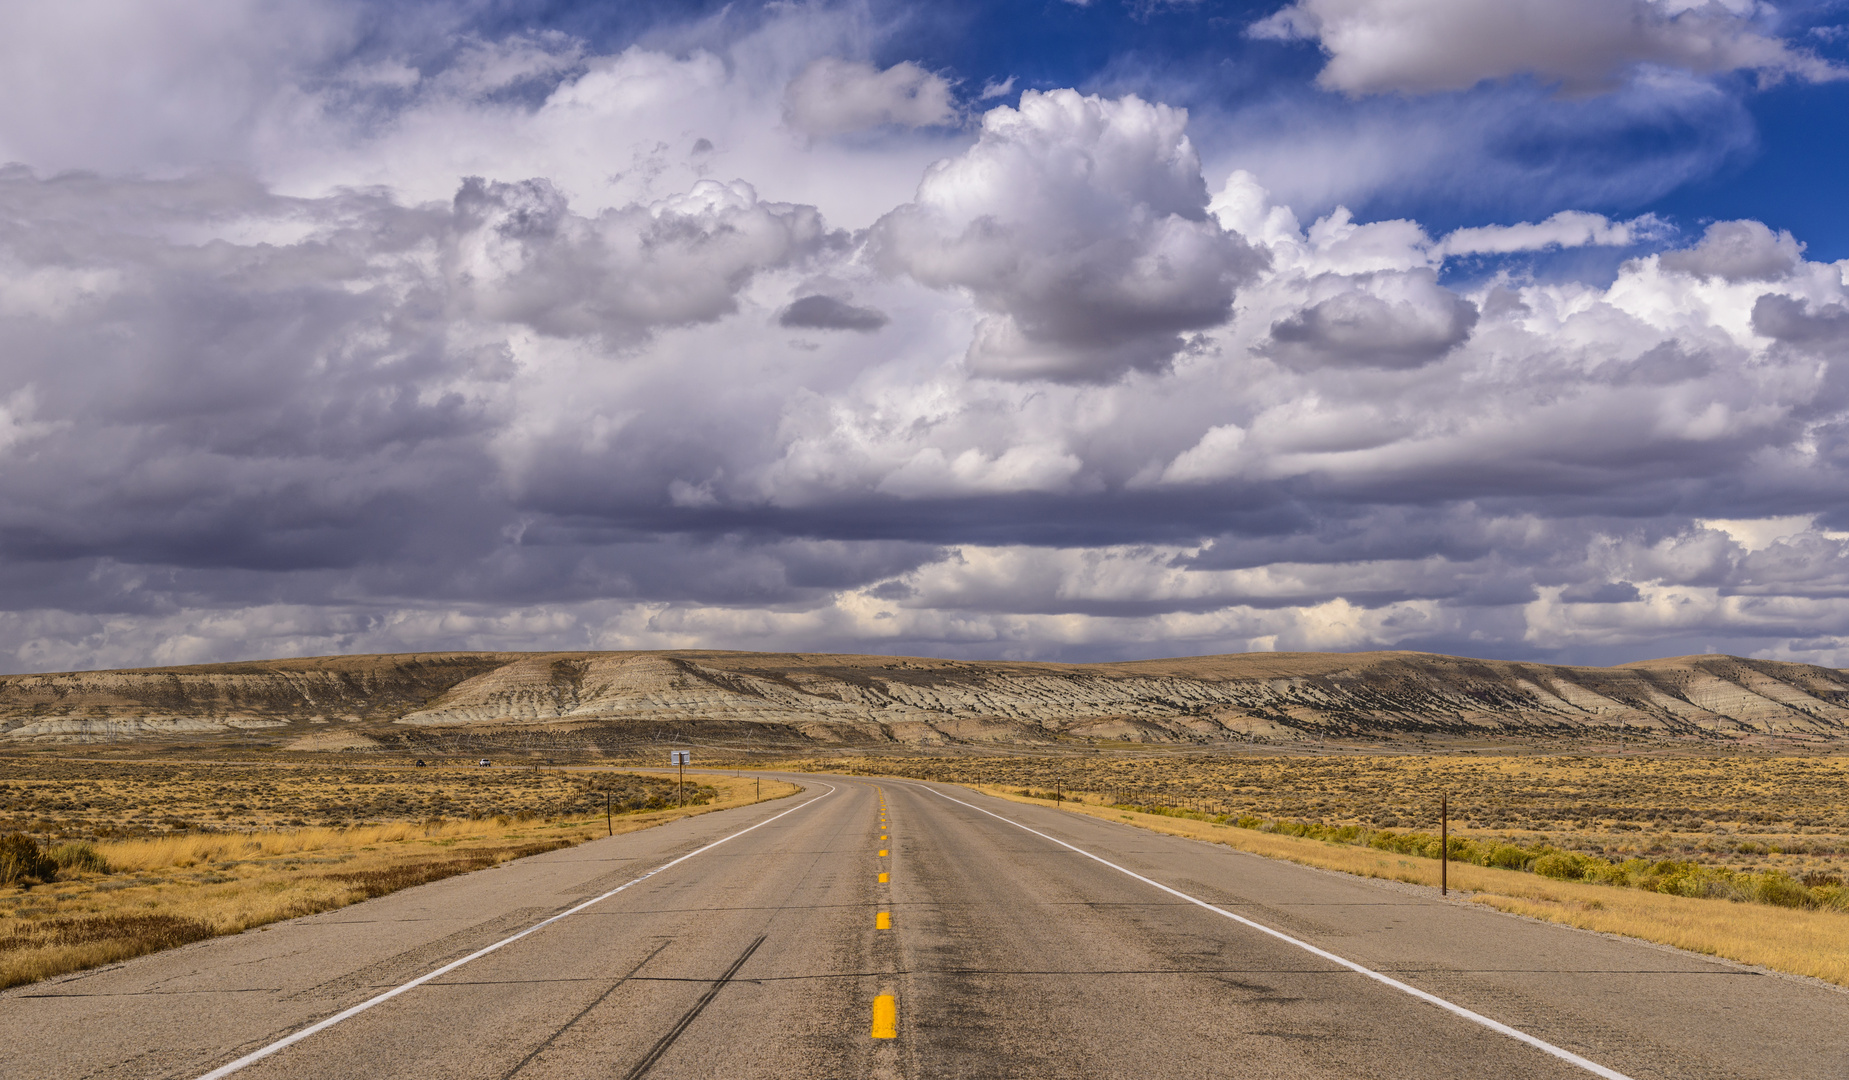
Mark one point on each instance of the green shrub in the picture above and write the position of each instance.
(1620, 874)
(22, 863)
(1562, 866)
(1405, 843)
(79, 856)
(1508, 857)
(1778, 888)
(1677, 879)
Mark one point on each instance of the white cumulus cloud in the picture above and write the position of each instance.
(1080, 225)
(1566, 229)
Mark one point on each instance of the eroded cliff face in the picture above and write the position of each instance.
(806, 699)
(210, 699)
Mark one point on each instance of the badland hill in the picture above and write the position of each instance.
(790, 702)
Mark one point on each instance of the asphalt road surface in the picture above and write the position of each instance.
(773, 947)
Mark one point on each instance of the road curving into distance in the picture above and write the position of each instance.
(891, 928)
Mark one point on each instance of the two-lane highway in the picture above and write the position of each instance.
(892, 928)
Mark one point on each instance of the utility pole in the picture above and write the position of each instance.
(1444, 845)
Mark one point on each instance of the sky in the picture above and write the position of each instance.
(1037, 330)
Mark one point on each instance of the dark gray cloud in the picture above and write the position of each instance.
(1610, 592)
(520, 255)
(1357, 327)
(1667, 364)
(1585, 46)
(1737, 251)
(1792, 320)
(827, 313)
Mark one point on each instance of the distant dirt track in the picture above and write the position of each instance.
(1008, 954)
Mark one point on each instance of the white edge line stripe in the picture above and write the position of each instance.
(1520, 1036)
(257, 1055)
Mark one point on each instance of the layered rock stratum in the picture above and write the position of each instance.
(793, 700)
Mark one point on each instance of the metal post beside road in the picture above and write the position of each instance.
(679, 757)
(1444, 845)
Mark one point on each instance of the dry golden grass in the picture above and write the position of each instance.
(167, 890)
(1814, 943)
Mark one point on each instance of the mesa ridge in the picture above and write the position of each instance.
(794, 700)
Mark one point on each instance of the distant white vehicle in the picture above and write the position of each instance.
(483, 761)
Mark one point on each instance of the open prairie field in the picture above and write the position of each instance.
(77, 799)
(125, 858)
(1746, 812)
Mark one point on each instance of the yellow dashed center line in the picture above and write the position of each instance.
(885, 1017)
(885, 1006)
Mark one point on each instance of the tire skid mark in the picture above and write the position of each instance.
(680, 1026)
(598, 1000)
